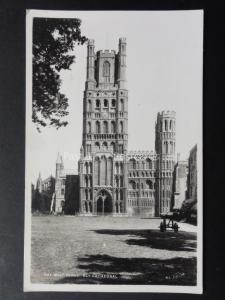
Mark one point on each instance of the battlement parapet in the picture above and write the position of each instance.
(91, 42)
(167, 113)
(122, 40)
(106, 53)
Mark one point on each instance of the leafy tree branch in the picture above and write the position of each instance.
(53, 43)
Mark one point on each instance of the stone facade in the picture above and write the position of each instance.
(113, 180)
(102, 166)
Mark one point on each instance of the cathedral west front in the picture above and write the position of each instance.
(112, 179)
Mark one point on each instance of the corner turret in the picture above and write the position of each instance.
(165, 133)
(122, 63)
(165, 139)
(90, 82)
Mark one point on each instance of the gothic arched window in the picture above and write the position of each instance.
(113, 127)
(121, 127)
(105, 103)
(149, 184)
(109, 171)
(132, 185)
(148, 163)
(86, 194)
(105, 127)
(97, 171)
(86, 181)
(105, 146)
(171, 147)
(97, 103)
(166, 125)
(121, 181)
(121, 168)
(97, 145)
(97, 126)
(89, 127)
(106, 71)
(167, 148)
(132, 163)
(113, 102)
(103, 171)
(89, 105)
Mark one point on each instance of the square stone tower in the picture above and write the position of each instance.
(102, 164)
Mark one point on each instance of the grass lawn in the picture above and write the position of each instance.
(110, 250)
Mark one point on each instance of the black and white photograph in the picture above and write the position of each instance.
(113, 179)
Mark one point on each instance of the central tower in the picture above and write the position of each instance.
(102, 165)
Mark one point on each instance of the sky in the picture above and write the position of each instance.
(164, 72)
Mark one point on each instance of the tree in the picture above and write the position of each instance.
(53, 43)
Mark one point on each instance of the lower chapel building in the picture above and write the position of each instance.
(111, 179)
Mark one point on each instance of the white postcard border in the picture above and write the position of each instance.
(28, 286)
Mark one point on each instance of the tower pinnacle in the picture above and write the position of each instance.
(58, 160)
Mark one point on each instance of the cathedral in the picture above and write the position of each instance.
(111, 179)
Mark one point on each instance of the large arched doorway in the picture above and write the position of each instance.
(104, 203)
(108, 205)
(100, 206)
